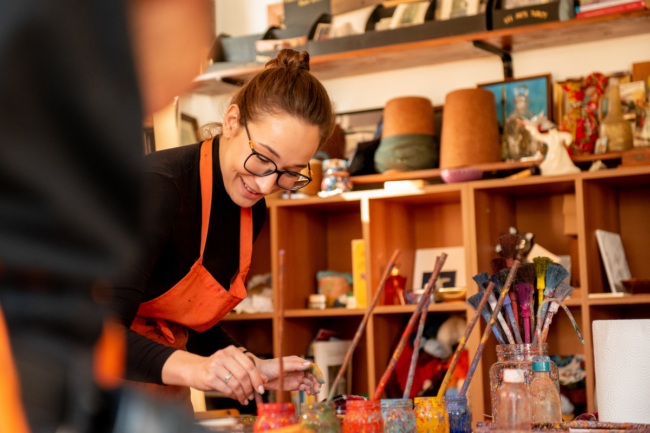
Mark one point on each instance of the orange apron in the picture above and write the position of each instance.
(198, 301)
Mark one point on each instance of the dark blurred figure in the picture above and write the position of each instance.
(70, 152)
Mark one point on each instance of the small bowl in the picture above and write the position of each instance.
(637, 285)
(451, 294)
(456, 175)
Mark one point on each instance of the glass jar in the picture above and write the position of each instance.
(460, 419)
(320, 417)
(363, 416)
(271, 416)
(336, 178)
(518, 356)
(398, 415)
(431, 415)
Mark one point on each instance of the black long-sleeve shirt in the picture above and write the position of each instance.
(171, 245)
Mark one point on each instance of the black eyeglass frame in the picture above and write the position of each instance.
(280, 172)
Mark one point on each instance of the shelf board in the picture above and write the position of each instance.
(328, 312)
(624, 300)
(573, 302)
(256, 316)
(455, 48)
(437, 307)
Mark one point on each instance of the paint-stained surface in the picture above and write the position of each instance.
(363, 416)
(431, 415)
(460, 419)
(398, 415)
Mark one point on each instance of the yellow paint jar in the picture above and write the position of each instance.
(431, 415)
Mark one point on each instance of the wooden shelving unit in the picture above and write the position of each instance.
(450, 49)
(316, 235)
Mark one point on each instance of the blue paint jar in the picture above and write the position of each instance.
(460, 420)
(398, 415)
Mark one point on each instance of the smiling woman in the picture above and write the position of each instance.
(206, 200)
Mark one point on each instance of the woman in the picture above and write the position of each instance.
(204, 205)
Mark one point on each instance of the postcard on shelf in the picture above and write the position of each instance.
(453, 272)
(539, 251)
(359, 284)
(329, 356)
(614, 260)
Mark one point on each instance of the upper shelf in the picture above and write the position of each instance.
(453, 48)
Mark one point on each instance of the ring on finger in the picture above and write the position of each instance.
(227, 378)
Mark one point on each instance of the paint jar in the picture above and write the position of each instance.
(398, 415)
(271, 416)
(431, 415)
(460, 419)
(521, 357)
(363, 416)
(320, 417)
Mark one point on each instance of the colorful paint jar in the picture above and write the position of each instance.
(460, 420)
(521, 357)
(398, 415)
(431, 415)
(363, 416)
(320, 417)
(271, 416)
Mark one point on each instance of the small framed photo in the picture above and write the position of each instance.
(601, 145)
(409, 14)
(322, 31)
(189, 130)
(457, 8)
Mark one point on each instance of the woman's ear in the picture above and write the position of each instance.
(231, 122)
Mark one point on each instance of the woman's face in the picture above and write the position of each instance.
(281, 138)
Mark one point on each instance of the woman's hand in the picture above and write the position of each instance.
(229, 371)
(295, 376)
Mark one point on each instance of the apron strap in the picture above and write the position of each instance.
(169, 335)
(205, 167)
(245, 241)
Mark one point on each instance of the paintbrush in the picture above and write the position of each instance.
(479, 308)
(416, 349)
(362, 325)
(475, 300)
(488, 328)
(280, 398)
(440, 261)
(526, 274)
(554, 275)
(497, 265)
(524, 292)
(482, 280)
(540, 270)
(571, 318)
(499, 279)
(509, 245)
(562, 291)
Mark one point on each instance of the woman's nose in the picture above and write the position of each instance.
(267, 184)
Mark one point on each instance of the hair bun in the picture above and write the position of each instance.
(288, 58)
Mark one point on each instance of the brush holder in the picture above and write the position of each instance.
(398, 415)
(431, 415)
(460, 419)
(521, 357)
(320, 417)
(271, 416)
(363, 416)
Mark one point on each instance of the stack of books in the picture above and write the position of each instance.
(594, 8)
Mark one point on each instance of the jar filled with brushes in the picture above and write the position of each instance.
(460, 419)
(320, 417)
(431, 415)
(521, 357)
(398, 415)
(363, 416)
(271, 416)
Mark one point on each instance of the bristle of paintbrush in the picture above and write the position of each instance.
(555, 274)
(509, 245)
(524, 292)
(526, 273)
(474, 301)
(562, 291)
(540, 270)
(497, 264)
(481, 280)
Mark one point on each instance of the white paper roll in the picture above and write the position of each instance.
(622, 361)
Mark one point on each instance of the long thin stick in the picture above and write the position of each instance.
(461, 344)
(416, 348)
(573, 322)
(281, 325)
(362, 325)
(409, 328)
(488, 328)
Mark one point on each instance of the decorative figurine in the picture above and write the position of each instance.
(557, 159)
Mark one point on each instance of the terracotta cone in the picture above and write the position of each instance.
(408, 115)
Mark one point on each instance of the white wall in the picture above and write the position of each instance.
(239, 17)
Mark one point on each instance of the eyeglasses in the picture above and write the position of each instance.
(259, 165)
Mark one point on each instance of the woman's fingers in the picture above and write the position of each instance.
(232, 385)
(253, 375)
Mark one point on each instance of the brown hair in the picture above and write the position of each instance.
(285, 86)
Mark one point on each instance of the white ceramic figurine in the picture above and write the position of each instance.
(557, 159)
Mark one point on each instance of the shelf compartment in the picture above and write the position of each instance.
(327, 312)
(624, 300)
(619, 202)
(256, 335)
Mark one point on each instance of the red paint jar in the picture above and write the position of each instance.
(363, 416)
(271, 416)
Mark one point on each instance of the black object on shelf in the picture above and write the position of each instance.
(300, 15)
(561, 10)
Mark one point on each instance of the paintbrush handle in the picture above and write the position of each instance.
(540, 322)
(281, 325)
(513, 322)
(258, 398)
(463, 340)
(362, 325)
(409, 328)
(497, 334)
(532, 310)
(547, 326)
(486, 333)
(505, 327)
(513, 299)
(416, 349)
(527, 330)
(540, 292)
(573, 322)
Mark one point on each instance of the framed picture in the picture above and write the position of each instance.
(601, 146)
(351, 23)
(409, 14)
(322, 31)
(456, 8)
(453, 272)
(189, 130)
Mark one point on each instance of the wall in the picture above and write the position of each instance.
(239, 17)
